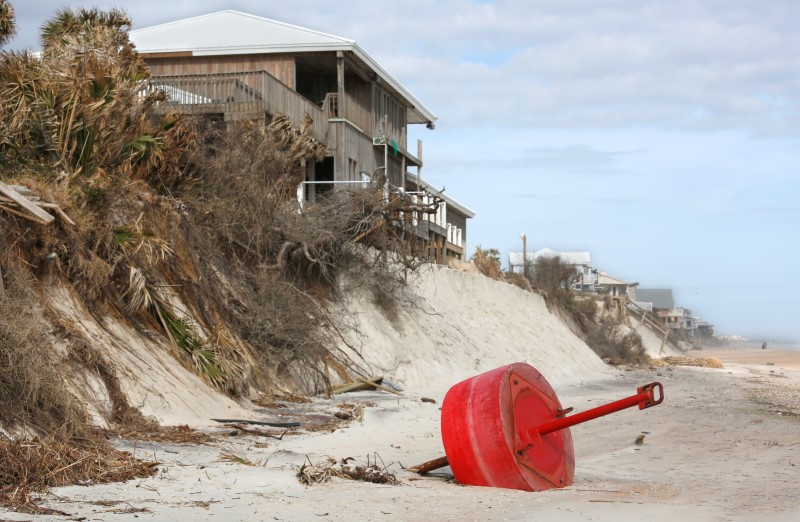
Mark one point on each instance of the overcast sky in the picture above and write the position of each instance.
(661, 136)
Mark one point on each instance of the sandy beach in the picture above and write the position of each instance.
(722, 446)
(757, 356)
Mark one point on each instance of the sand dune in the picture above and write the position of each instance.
(722, 446)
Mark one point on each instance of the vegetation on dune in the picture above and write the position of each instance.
(599, 325)
(184, 230)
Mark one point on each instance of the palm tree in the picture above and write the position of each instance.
(7, 25)
(67, 22)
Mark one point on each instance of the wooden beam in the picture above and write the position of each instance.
(23, 215)
(431, 465)
(39, 214)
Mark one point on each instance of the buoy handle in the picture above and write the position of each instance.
(645, 398)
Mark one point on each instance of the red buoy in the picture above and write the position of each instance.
(506, 428)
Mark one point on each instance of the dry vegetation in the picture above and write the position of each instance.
(328, 468)
(604, 331)
(185, 231)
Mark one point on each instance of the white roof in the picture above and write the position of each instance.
(605, 279)
(232, 32)
(573, 258)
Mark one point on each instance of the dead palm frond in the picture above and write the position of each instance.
(299, 144)
(138, 295)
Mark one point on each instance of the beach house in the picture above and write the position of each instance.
(586, 275)
(234, 66)
(613, 286)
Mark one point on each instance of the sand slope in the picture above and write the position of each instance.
(454, 325)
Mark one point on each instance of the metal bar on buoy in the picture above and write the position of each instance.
(645, 398)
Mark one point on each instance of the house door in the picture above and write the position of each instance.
(323, 171)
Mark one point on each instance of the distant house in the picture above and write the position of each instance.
(704, 329)
(682, 319)
(582, 261)
(658, 300)
(613, 286)
(230, 66)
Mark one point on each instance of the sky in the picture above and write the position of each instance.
(659, 135)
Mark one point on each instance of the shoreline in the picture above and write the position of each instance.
(753, 356)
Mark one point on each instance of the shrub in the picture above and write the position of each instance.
(487, 261)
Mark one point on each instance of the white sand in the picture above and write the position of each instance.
(459, 324)
(714, 450)
(150, 376)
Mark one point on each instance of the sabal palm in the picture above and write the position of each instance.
(7, 22)
(68, 23)
(81, 105)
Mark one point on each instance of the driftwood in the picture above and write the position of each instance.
(259, 423)
(427, 467)
(363, 384)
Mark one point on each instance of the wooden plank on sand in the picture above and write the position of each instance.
(39, 215)
(356, 386)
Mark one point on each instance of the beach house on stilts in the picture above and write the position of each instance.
(237, 66)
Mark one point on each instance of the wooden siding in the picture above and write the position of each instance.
(386, 104)
(281, 66)
(351, 144)
(355, 146)
(358, 114)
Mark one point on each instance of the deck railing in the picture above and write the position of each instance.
(241, 92)
(354, 111)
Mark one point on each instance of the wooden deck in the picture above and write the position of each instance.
(239, 93)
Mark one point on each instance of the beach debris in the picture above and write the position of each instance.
(239, 428)
(431, 465)
(274, 424)
(21, 201)
(144, 429)
(237, 457)
(363, 384)
(321, 472)
(639, 440)
(30, 466)
(506, 428)
(426, 399)
(683, 360)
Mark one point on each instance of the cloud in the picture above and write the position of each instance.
(684, 64)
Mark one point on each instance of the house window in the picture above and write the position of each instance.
(352, 169)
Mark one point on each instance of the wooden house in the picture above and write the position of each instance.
(237, 66)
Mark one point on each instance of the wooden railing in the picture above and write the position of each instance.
(242, 92)
(354, 111)
(359, 114)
